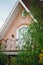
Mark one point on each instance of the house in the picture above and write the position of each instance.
(15, 22)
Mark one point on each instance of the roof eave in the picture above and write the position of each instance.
(9, 20)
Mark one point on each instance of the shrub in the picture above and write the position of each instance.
(3, 59)
(36, 8)
(29, 55)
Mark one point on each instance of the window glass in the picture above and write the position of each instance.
(21, 32)
(20, 35)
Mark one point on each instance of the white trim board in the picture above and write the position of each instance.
(28, 11)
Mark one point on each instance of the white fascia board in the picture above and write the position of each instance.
(28, 11)
(10, 19)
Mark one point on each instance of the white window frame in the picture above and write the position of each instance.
(19, 45)
(18, 30)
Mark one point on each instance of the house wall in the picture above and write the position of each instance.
(18, 21)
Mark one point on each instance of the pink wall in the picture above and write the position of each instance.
(19, 20)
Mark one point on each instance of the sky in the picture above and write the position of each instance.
(5, 8)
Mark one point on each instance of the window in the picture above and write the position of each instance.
(20, 34)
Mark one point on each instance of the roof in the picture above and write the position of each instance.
(5, 8)
(26, 3)
(7, 15)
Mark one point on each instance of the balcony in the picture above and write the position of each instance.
(11, 45)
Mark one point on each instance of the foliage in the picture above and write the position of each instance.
(24, 13)
(29, 55)
(41, 57)
(36, 8)
(3, 59)
(13, 61)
